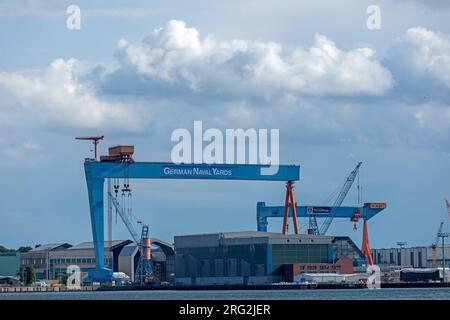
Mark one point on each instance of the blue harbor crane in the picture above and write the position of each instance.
(354, 214)
(119, 164)
(342, 194)
(434, 246)
(365, 212)
(313, 227)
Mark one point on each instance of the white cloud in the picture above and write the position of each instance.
(178, 56)
(175, 62)
(56, 97)
(17, 150)
(424, 53)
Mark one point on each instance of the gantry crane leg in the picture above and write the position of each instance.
(365, 244)
(289, 201)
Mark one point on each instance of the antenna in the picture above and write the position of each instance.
(401, 244)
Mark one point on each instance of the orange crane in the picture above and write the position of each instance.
(95, 141)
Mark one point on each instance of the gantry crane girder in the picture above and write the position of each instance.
(368, 211)
(97, 171)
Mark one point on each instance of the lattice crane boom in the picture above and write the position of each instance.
(448, 206)
(342, 194)
(125, 219)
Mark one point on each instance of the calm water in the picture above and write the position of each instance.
(345, 294)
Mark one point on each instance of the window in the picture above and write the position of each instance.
(232, 267)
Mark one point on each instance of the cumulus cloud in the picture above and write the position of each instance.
(329, 92)
(181, 59)
(56, 97)
(430, 53)
(421, 57)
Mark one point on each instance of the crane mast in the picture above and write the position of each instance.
(434, 246)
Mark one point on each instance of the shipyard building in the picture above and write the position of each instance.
(259, 257)
(50, 261)
(415, 257)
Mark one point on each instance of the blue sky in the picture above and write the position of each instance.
(339, 93)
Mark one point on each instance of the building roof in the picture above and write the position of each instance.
(129, 250)
(51, 247)
(255, 234)
(90, 245)
(439, 246)
(9, 254)
(247, 237)
(322, 275)
(9, 278)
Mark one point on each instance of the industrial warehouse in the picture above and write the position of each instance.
(258, 257)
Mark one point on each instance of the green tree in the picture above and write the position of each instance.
(4, 249)
(64, 279)
(24, 249)
(29, 275)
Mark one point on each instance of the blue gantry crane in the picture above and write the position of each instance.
(354, 214)
(119, 164)
(326, 212)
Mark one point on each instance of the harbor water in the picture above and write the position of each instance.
(332, 294)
